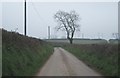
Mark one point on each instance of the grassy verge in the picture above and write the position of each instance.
(0, 53)
(22, 55)
(103, 58)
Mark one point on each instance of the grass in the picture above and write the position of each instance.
(22, 55)
(0, 60)
(81, 41)
(102, 57)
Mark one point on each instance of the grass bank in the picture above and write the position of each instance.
(102, 57)
(0, 53)
(22, 55)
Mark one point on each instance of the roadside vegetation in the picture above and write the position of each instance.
(0, 53)
(101, 57)
(22, 55)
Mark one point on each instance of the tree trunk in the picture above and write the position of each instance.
(71, 41)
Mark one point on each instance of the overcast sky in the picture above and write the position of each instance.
(98, 19)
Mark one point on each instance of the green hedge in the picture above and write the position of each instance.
(22, 55)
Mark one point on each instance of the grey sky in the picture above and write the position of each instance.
(97, 18)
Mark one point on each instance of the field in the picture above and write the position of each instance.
(22, 55)
(84, 41)
(101, 57)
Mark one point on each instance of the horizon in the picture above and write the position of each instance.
(63, 38)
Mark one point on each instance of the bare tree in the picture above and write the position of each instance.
(67, 22)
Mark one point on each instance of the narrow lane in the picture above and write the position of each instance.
(63, 63)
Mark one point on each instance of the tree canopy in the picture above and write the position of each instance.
(67, 22)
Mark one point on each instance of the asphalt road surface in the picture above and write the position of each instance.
(63, 63)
